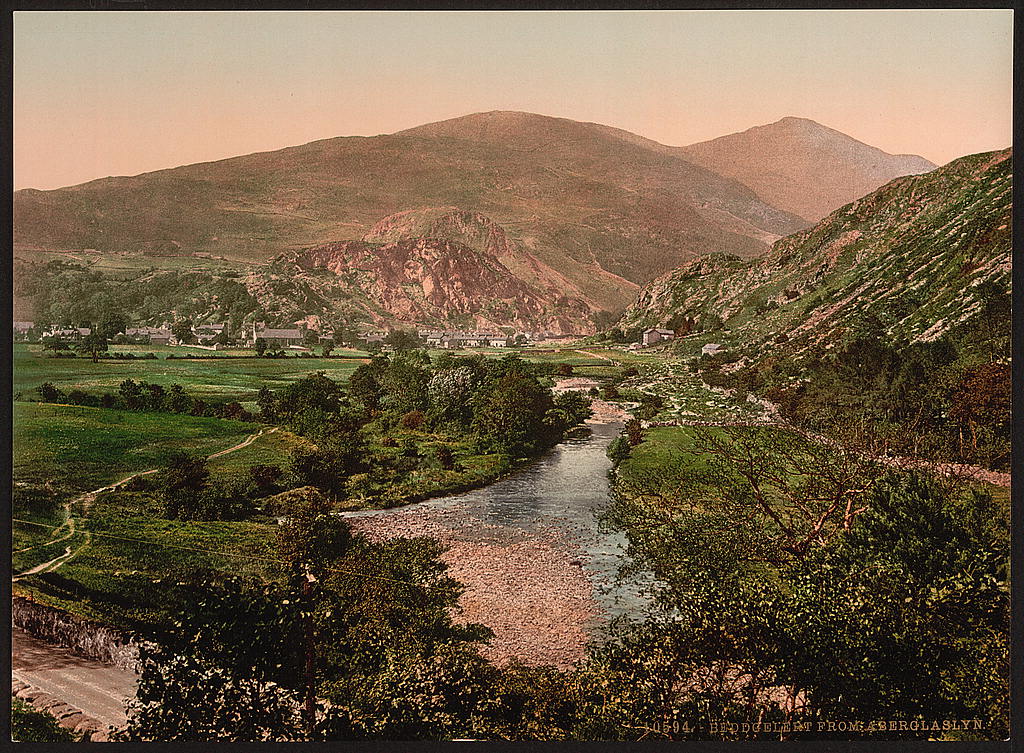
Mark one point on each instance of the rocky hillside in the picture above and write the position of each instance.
(911, 254)
(437, 266)
(802, 166)
(608, 209)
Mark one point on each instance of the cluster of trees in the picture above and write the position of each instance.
(187, 493)
(902, 615)
(812, 585)
(941, 400)
(71, 294)
(496, 406)
(146, 396)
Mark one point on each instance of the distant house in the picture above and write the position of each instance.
(372, 337)
(435, 339)
(276, 337)
(711, 349)
(656, 335)
(207, 333)
(22, 328)
(149, 335)
(501, 341)
(68, 333)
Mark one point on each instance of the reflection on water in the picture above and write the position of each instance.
(566, 491)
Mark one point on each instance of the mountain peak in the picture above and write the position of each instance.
(802, 166)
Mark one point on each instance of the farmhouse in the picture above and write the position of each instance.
(21, 328)
(654, 335)
(68, 333)
(711, 349)
(276, 337)
(149, 335)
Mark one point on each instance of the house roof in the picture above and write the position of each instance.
(285, 333)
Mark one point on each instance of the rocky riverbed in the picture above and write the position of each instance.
(529, 587)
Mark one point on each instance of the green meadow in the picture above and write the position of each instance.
(211, 379)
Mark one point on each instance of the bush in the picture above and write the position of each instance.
(49, 393)
(634, 432)
(412, 420)
(618, 450)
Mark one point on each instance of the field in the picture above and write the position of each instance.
(77, 448)
(211, 379)
(62, 451)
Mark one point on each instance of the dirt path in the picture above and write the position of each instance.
(87, 499)
(597, 355)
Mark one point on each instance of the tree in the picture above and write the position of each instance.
(54, 343)
(401, 339)
(266, 400)
(265, 478)
(450, 392)
(50, 394)
(112, 323)
(634, 430)
(509, 414)
(181, 482)
(980, 403)
(93, 344)
(892, 619)
(570, 409)
(182, 330)
(310, 338)
(780, 490)
(260, 346)
(328, 348)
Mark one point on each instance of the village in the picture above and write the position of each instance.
(298, 336)
(301, 337)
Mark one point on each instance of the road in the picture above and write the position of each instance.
(97, 690)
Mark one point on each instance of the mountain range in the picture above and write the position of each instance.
(592, 212)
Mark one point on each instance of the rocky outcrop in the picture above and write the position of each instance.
(434, 266)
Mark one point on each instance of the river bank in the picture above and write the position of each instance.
(537, 567)
(528, 588)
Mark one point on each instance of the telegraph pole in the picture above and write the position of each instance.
(310, 708)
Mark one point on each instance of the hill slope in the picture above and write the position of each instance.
(802, 166)
(437, 266)
(609, 211)
(913, 254)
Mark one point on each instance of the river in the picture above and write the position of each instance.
(539, 567)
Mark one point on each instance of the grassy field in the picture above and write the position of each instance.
(79, 448)
(216, 379)
(61, 451)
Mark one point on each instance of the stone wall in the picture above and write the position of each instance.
(80, 636)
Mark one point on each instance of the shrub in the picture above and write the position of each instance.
(618, 450)
(412, 420)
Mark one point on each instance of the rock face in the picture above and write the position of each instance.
(439, 266)
(802, 166)
(912, 254)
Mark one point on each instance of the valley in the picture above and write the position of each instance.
(518, 427)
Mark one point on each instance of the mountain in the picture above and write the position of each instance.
(912, 254)
(438, 266)
(803, 167)
(609, 210)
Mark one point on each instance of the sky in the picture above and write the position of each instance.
(121, 93)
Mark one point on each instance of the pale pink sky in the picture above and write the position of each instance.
(120, 93)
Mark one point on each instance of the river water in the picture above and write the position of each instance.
(554, 504)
